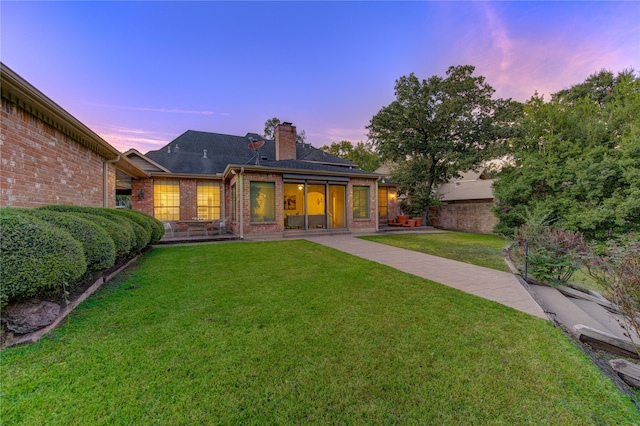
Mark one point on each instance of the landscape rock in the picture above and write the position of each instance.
(29, 316)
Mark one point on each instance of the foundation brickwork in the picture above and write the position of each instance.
(41, 165)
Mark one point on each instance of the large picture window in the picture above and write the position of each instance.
(263, 201)
(361, 202)
(166, 200)
(208, 200)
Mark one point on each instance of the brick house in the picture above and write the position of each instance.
(258, 186)
(49, 157)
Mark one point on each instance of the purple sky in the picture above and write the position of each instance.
(140, 74)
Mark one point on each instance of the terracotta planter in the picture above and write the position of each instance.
(411, 222)
(402, 219)
(418, 221)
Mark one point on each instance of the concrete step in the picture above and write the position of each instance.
(605, 317)
(565, 311)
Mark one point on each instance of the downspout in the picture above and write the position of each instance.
(377, 208)
(241, 202)
(105, 180)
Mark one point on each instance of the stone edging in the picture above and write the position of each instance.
(37, 335)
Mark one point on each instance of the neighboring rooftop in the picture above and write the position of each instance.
(471, 185)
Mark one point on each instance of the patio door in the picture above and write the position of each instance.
(337, 206)
(313, 205)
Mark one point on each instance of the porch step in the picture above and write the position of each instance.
(314, 233)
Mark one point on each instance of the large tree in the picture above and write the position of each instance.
(577, 159)
(362, 154)
(436, 128)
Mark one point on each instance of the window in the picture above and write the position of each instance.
(263, 201)
(166, 200)
(383, 201)
(361, 202)
(208, 200)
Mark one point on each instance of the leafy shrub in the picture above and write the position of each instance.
(121, 237)
(617, 269)
(154, 228)
(99, 247)
(552, 255)
(36, 258)
(134, 234)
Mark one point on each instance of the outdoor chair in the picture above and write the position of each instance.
(219, 224)
(168, 228)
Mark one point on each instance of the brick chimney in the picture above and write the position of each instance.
(285, 141)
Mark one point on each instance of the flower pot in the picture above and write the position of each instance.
(411, 222)
(390, 221)
(402, 219)
(418, 221)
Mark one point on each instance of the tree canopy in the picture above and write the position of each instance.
(436, 128)
(577, 159)
(362, 154)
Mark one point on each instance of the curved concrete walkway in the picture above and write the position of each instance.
(501, 287)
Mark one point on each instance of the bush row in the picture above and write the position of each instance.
(52, 249)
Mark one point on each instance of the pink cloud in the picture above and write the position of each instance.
(553, 60)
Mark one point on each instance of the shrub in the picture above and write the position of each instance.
(120, 236)
(134, 233)
(156, 227)
(551, 255)
(617, 269)
(99, 247)
(36, 258)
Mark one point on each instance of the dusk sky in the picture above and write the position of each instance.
(140, 74)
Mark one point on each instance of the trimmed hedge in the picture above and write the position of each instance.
(50, 249)
(134, 234)
(120, 236)
(36, 258)
(99, 248)
(153, 226)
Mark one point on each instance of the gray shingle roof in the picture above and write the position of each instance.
(186, 154)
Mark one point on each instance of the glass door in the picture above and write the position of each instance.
(316, 206)
(337, 210)
(294, 217)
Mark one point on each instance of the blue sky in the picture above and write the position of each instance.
(139, 74)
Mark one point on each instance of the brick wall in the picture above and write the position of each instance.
(267, 227)
(188, 196)
(469, 217)
(145, 204)
(40, 165)
(362, 224)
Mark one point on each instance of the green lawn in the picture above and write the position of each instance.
(291, 332)
(476, 249)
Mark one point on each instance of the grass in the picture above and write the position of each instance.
(476, 249)
(291, 332)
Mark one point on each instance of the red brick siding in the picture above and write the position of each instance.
(363, 224)
(188, 196)
(285, 142)
(267, 227)
(41, 165)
